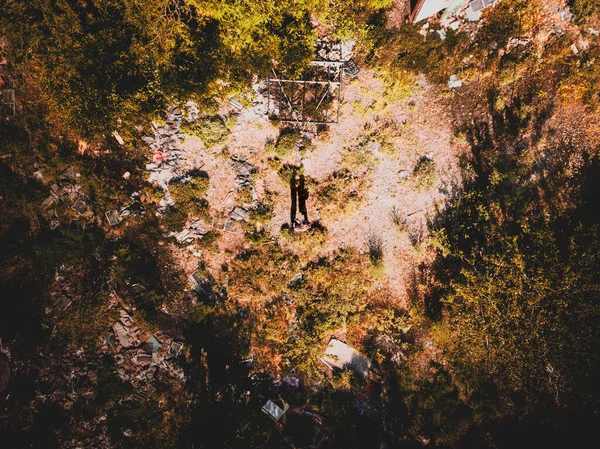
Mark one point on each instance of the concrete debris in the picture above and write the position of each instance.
(243, 182)
(65, 188)
(165, 145)
(329, 51)
(133, 209)
(192, 112)
(296, 281)
(118, 138)
(236, 105)
(241, 165)
(196, 230)
(166, 202)
(453, 82)
(123, 336)
(403, 174)
(200, 283)
(140, 363)
(239, 214)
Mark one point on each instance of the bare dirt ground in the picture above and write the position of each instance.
(420, 129)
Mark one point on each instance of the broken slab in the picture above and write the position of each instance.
(118, 138)
(454, 82)
(339, 355)
(273, 411)
(122, 335)
(152, 345)
(49, 202)
(241, 165)
(239, 214)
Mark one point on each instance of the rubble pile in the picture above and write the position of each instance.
(141, 357)
(328, 51)
(170, 163)
(239, 214)
(244, 171)
(66, 188)
(195, 231)
(134, 209)
(165, 145)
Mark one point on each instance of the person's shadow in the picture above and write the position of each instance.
(299, 195)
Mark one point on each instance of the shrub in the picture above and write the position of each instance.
(425, 173)
(211, 130)
(374, 244)
(286, 142)
(398, 219)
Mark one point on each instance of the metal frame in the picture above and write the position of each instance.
(288, 99)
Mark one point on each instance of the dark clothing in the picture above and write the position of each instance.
(302, 197)
(293, 193)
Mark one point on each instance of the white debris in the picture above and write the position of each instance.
(118, 138)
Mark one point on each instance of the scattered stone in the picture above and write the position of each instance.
(403, 174)
(126, 175)
(196, 230)
(296, 281)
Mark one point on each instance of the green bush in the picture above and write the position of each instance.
(211, 130)
(425, 174)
